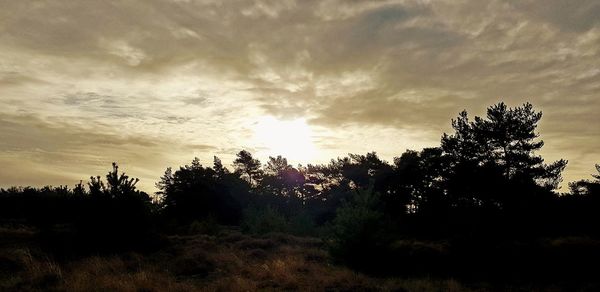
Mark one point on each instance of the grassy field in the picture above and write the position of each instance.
(227, 261)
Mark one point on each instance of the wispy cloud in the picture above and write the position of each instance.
(369, 75)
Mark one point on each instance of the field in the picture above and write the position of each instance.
(225, 261)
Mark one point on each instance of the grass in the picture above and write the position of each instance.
(226, 261)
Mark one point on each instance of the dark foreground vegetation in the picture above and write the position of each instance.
(481, 212)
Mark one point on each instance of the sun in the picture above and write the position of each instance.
(292, 139)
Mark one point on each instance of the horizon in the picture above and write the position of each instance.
(153, 84)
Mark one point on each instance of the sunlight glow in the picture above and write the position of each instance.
(291, 139)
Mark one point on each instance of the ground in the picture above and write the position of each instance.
(226, 261)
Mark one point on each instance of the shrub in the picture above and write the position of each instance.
(302, 224)
(357, 235)
(260, 220)
(208, 226)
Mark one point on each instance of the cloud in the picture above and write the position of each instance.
(200, 72)
(40, 152)
(563, 13)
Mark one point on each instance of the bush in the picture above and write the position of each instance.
(357, 232)
(208, 226)
(260, 220)
(302, 224)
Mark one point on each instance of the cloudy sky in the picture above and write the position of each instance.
(152, 84)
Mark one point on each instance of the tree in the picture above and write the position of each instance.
(120, 185)
(357, 231)
(96, 186)
(587, 187)
(505, 138)
(282, 179)
(490, 154)
(165, 183)
(188, 191)
(419, 181)
(117, 215)
(195, 192)
(117, 185)
(359, 171)
(275, 165)
(220, 170)
(248, 167)
(79, 189)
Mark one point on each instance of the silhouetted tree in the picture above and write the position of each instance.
(420, 181)
(489, 155)
(165, 183)
(79, 189)
(579, 210)
(248, 167)
(195, 192)
(220, 170)
(117, 215)
(587, 187)
(96, 186)
(282, 179)
(119, 185)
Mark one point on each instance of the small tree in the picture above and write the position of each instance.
(117, 185)
(96, 186)
(120, 185)
(79, 189)
(117, 216)
(358, 229)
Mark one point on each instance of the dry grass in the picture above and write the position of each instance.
(230, 261)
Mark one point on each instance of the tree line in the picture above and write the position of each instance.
(485, 180)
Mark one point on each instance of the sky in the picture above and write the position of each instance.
(152, 84)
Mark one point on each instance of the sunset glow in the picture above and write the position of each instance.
(294, 145)
(153, 83)
(292, 139)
